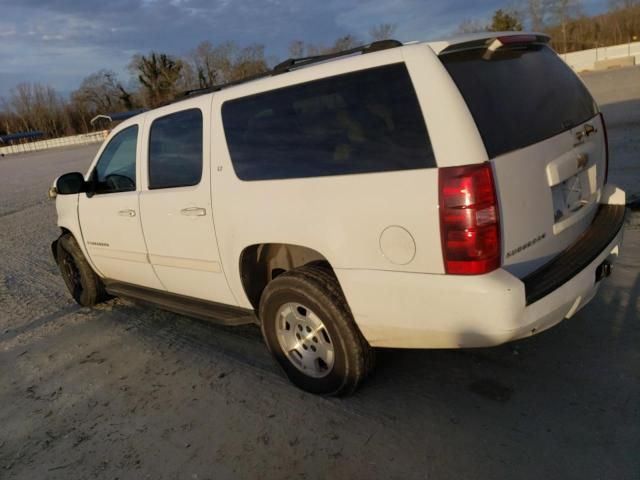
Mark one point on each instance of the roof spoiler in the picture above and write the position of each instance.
(497, 41)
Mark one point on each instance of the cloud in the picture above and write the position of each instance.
(61, 41)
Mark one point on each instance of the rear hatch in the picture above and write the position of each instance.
(545, 139)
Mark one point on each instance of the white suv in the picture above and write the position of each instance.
(428, 195)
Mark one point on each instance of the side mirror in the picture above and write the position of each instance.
(70, 183)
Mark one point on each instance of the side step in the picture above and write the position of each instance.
(218, 313)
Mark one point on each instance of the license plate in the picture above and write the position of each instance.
(567, 197)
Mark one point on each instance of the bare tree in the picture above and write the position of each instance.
(538, 11)
(101, 92)
(211, 64)
(471, 26)
(345, 42)
(159, 75)
(382, 31)
(248, 61)
(297, 49)
(36, 107)
(625, 24)
(562, 12)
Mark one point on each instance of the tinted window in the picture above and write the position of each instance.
(519, 96)
(367, 121)
(116, 168)
(175, 150)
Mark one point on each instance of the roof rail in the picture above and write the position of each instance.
(293, 63)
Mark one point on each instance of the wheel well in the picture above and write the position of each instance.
(54, 249)
(259, 264)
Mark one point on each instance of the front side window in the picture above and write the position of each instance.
(116, 168)
(361, 122)
(175, 150)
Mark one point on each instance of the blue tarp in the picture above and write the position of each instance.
(20, 136)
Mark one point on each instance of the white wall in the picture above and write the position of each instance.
(586, 59)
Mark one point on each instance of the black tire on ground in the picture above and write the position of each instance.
(315, 288)
(85, 286)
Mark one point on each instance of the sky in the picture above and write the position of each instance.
(59, 42)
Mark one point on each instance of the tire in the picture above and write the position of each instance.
(309, 329)
(85, 286)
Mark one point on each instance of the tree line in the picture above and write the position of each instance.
(566, 22)
(158, 77)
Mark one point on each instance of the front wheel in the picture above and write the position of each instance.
(309, 329)
(84, 285)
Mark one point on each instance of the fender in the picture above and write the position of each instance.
(69, 221)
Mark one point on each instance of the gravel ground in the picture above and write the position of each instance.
(120, 391)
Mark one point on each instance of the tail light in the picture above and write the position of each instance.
(606, 148)
(469, 220)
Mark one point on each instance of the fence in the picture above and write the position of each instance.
(604, 57)
(85, 139)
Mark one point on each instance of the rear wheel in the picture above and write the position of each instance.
(84, 285)
(309, 329)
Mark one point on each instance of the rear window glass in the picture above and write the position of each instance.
(362, 122)
(175, 150)
(519, 96)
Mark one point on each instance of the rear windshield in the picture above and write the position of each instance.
(361, 122)
(519, 96)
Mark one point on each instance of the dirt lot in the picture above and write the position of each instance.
(125, 392)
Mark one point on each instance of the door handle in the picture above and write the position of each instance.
(194, 212)
(127, 213)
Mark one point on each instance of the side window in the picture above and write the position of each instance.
(360, 122)
(116, 168)
(175, 150)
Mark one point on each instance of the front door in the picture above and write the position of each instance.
(110, 217)
(176, 208)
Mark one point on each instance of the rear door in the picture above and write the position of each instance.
(545, 139)
(175, 204)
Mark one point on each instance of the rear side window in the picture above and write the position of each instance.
(175, 150)
(361, 122)
(519, 96)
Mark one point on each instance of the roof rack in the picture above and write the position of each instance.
(292, 64)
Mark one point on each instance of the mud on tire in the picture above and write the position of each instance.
(85, 286)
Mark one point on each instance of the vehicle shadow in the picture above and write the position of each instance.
(534, 406)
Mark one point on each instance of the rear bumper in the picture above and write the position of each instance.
(408, 310)
(606, 225)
